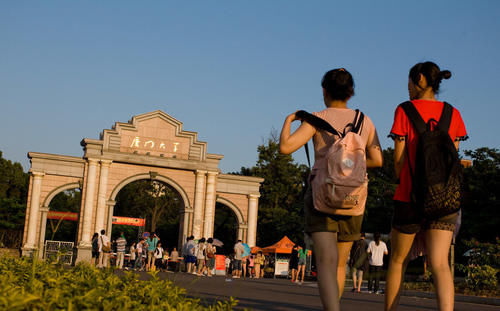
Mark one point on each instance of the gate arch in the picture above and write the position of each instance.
(150, 146)
(161, 178)
(58, 190)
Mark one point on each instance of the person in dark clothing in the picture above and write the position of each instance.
(358, 262)
(294, 263)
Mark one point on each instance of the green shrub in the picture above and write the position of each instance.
(479, 278)
(27, 284)
(483, 266)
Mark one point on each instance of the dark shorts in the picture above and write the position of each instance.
(302, 261)
(211, 263)
(237, 264)
(95, 254)
(190, 259)
(348, 228)
(294, 264)
(408, 220)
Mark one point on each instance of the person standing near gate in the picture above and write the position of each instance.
(358, 262)
(104, 250)
(239, 249)
(174, 257)
(152, 243)
(95, 249)
(121, 244)
(302, 263)
(376, 250)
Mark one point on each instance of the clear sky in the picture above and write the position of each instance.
(232, 70)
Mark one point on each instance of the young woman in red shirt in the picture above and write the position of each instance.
(423, 86)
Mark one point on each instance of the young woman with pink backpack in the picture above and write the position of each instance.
(345, 144)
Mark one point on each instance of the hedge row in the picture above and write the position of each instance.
(27, 284)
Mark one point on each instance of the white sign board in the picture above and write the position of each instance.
(281, 267)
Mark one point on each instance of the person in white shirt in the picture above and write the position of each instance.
(158, 256)
(200, 255)
(104, 253)
(239, 249)
(376, 251)
(132, 255)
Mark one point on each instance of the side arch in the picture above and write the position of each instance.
(233, 207)
(161, 178)
(58, 190)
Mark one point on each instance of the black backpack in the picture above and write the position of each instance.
(437, 175)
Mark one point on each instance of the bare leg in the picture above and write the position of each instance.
(354, 279)
(293, 275)
(401, 245)
(325, 246)
(360, 279)
(344, 248)
(438, 246)
(303, 271)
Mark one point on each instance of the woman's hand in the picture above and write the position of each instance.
(291, 142)
(293, 117)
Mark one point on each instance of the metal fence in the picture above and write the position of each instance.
(59, 250)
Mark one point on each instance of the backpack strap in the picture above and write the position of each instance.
(415, 118)
(359, 122)
(445, 120)
(317, 122)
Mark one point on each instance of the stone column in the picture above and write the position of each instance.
(34, 216)
(198, 204)
(43, 227)
(252, 219)
(242, 233)
(101, 199)
(210, 205)
(89, 204)
(186, 215)
(111, 210)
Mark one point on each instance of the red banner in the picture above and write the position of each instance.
(220, 262)
(129, 221)
(62, 215)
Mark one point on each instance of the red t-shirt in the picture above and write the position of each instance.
(402, 126)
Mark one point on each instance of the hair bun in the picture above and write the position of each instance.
(445, 74)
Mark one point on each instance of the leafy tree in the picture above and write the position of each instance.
(381, 188)
(13, 181)
(225, 227)
(13, 195)
(64, 230)
(155, 201)
(481, 202)
(281, 202)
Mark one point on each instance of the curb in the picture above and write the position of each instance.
(431, 295)
(460, 298)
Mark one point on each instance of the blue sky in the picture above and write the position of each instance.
(232, 70)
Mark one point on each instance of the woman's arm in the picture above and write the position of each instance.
(291, 142)
(374, 156)
(399, 155)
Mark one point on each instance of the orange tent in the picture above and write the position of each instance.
(255, 250)
(283, 246)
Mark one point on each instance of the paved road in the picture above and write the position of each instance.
(281, 295)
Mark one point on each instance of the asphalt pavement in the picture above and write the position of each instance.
(282, 294)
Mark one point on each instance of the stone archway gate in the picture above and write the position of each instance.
(150, 146)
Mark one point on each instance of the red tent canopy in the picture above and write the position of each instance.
(283, 246)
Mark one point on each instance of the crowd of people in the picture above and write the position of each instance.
(196, 257)
(147, 254)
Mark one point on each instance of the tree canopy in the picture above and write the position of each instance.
(13, 195)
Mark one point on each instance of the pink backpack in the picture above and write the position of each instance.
(341, 187)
